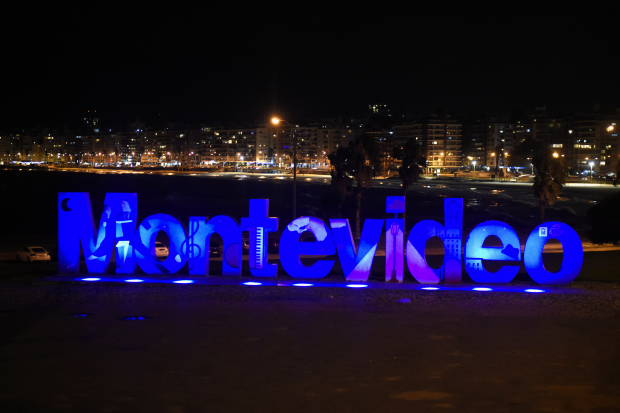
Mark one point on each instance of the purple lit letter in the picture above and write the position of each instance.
(394, 239)
(451, 235)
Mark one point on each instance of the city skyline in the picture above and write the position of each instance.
(448, 143)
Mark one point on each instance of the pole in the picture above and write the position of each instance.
(294, 143)
(294, 172)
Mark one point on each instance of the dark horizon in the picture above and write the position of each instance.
(195, 66)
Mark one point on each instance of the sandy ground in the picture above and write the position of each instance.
(233, 349)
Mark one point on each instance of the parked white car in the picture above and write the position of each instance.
(32, 254)
(161, 250)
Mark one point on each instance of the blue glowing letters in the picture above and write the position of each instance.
(134, 244)
(475, 253)
(356, 266)
(572, 253)
(144, 244)
(116, 228)
(291, 248)
(259, 225)
(198, 244)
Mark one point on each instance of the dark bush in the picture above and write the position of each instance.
(604, 219)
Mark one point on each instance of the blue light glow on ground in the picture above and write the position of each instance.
(505, 288)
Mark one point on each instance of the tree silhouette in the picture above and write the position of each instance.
(549, 176)
(341, 182)
(359, 162)
(605, 221)
(411, 162)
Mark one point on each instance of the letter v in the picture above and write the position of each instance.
(356, 266)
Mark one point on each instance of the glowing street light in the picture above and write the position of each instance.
(474, 163)
(610, 128)
(591, 166)
(555, 154)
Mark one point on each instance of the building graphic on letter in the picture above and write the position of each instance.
(452, 239)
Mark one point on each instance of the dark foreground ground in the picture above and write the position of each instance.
(239, 349)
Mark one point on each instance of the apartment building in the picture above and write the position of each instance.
(440, 136)
(219, 145)
(595, 141)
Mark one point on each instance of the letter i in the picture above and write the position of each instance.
(394, 240)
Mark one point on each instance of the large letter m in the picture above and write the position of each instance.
(116, 229)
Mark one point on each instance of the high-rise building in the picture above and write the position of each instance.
(238, 145)
(595, 140)
(440, 138)
(475, 141)
(5, 149)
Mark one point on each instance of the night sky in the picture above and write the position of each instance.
(205, 64)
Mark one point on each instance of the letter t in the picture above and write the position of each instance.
(259, 225)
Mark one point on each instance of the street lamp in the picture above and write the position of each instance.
(555, 154)
(275, 121)
(591, 165)
(474, 163)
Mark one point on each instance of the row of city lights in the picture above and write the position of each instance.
(257, 283)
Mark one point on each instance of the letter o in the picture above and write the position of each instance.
(144, 242)
(572, 259)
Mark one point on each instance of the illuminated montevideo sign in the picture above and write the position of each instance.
(134, 245)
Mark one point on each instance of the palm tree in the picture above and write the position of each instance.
(549, 176)
(341, 180)
(364, 163)
(411, 161)
(359, 162)
(548, 182)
